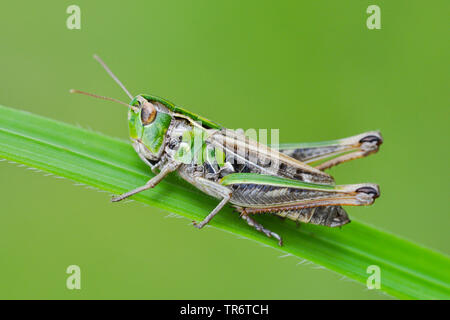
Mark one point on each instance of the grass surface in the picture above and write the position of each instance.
(407, 270)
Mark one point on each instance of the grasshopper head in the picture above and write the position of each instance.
(148, 122)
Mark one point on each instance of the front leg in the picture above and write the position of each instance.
(169, 167)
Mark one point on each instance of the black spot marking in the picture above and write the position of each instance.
(369, 190)
(371, 139)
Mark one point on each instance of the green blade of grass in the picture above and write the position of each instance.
(407, 269)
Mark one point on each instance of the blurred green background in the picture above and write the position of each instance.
(310, 68)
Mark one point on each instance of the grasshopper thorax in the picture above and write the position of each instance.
(148, 123)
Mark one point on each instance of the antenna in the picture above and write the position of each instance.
(96, 57)
(104, 98)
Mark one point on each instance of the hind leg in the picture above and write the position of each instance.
(259, 227)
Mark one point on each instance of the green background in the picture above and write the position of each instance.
(309, 68)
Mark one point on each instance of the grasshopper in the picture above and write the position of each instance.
(289, 182)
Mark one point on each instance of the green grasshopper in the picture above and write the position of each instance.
(289, 182)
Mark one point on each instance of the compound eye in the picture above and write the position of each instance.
(148, 113)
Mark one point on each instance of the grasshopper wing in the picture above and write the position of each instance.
(246, 155)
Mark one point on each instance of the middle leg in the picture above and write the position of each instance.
(209, 217)
(216, 190)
